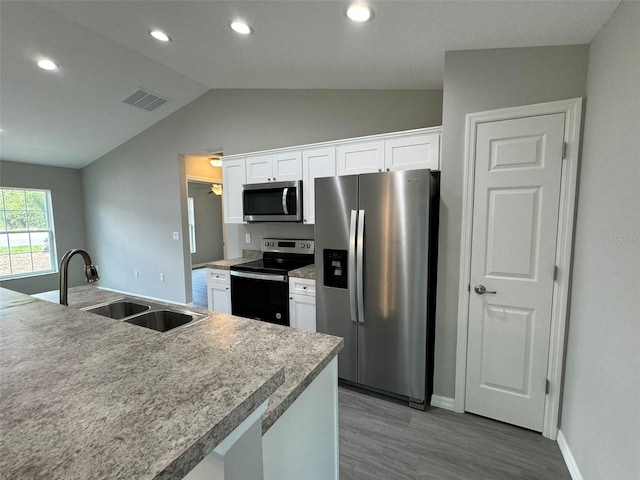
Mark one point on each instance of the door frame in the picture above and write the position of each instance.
(572, 109)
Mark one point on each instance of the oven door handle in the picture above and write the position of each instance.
(285, 192)
(260, 276)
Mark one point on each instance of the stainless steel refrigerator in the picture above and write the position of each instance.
(376, 254)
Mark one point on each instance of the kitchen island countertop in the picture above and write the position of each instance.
(86, 396)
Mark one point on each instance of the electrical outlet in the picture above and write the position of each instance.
(162, 277)
(247, 238)
(136, 273)
(176, 235)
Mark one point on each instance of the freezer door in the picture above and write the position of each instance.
(392, 329)
(336, 198)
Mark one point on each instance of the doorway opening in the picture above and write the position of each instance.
(204, 227)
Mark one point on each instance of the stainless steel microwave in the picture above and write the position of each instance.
(272, 202)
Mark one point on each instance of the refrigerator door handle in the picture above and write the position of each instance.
(351, 266)
(360, 266)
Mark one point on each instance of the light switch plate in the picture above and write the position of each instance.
(247, 238)
(176, 235)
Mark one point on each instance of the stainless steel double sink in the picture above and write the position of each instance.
(146, 314)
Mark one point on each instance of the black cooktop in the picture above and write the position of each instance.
(280, 265)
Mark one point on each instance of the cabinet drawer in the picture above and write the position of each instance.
(218, 276)
(302, 286)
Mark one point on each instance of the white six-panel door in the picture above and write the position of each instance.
(515, 217)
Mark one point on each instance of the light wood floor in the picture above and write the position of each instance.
(384, 440)
(199, 287)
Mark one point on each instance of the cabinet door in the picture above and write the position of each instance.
(412, 152)
(316, 163)
(361, 157)
(233, 177)
(260, 168)
(302, 312)
(287, 166)
(219, 297)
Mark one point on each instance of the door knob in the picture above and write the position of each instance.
(481, 289)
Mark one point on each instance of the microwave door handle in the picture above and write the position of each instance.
(351, 266)
(285, 191)
(360, 266)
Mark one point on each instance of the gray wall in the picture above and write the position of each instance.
(601, 404)
(136, 194)
(208, 220)
(475, 81)
(68, 218)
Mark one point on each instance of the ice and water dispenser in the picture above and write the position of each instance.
(335, 268)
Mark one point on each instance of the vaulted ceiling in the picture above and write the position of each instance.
(72, 116)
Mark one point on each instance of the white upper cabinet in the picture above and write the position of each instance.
(316, 163)
(407, 150)
(274, 167)
(233, 178)
(259, 168)
(412, 152)
(287, 166)
(361, 157)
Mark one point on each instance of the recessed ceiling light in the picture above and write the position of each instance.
(241, 27)
(160, 35)
(359, 12)
(47, 64)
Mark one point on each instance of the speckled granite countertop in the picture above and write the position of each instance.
(308, 272)
(225, 264)
(84, 396)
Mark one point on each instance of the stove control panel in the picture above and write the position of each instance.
(288, 245)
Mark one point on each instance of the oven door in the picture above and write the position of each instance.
(260, 296)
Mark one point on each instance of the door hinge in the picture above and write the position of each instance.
(555, 273)
(547, 386)
(564, 150)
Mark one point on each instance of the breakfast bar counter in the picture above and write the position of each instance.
(85, 396)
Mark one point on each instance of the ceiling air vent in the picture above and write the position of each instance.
(145, 100)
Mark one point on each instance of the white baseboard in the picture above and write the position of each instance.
(442, 402)
(572, 466)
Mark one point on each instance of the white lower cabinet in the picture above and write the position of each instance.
(218, 290)
(302, 304)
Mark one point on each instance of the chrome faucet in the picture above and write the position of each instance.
(90, 271)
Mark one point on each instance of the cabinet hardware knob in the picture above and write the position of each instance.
(379, 169)
(304, 288)
(387, 169)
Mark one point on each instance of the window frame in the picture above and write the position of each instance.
(50, 231)
(191, 210)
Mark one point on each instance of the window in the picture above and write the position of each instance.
(192, 225)
(27, 242)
